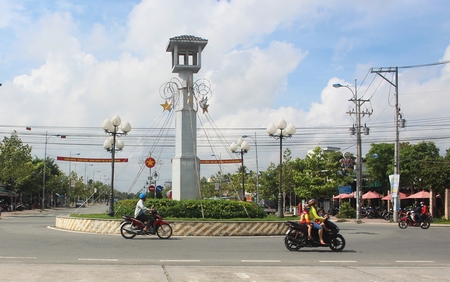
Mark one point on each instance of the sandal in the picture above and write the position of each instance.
(322, 243)
(310, 238)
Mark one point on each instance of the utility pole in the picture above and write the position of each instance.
(394, 197)
(357, 111)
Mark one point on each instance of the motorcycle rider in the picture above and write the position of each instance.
(315, 217)
(416, 212)
(304, 219)
(423, 211)
(140, 213)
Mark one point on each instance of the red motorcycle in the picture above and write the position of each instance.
(130, 227)
(406, 220)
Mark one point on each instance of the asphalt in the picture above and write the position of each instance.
(52, 210)
(334, 219)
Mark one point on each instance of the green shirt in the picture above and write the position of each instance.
(313, 214)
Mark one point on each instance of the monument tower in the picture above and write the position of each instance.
(186, 60)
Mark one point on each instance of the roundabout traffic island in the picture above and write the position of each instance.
(180, 228)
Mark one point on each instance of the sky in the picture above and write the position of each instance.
(66, 66)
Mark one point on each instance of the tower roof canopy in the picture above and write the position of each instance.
(186, 42)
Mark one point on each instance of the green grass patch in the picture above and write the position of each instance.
(441, 221)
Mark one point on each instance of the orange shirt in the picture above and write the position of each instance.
(304, 217)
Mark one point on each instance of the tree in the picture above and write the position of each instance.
(269, 183)
(319, 175)
(15, 161)
(416, 165)
(380, 163)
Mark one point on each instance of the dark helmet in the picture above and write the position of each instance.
(142, 196)
(311, 202)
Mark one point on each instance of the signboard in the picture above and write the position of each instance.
(151, 188)
(92, 160)
(232, 161)
(345, 189)
(394, 179)
(159, 188)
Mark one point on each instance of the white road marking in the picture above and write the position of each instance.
(18, 257)
(414, 261)
(179, 260)
(98, 259)
(354, 261)
(256, 260)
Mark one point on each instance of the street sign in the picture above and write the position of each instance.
(151, 188)
(159, 188)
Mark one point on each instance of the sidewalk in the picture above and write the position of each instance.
(30, 212)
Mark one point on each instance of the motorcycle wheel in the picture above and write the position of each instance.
(425, 224)
(337, 243)
(290, 245)
(164, 231)
(402, 224)
(127, 234)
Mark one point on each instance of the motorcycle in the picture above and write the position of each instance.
(130, 227)
(297, 237)
(406, 220)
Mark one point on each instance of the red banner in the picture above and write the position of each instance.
(233, 161)
(92, 160)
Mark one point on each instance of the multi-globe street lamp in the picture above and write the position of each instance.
(244, 148)
(281, 131)
(257, 169)
(112, 145)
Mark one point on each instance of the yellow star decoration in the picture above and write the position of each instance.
(166, 106)
(205, 108)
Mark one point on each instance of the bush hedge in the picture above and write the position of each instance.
(346, 211)
(217, 209)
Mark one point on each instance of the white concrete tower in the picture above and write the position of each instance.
(186, 60)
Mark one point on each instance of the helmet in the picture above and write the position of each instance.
(142, 196)
(422, 203)
(311, 202)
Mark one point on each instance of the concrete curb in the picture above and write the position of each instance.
(180, 228)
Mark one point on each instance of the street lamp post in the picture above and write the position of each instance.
(111, 145)
(43, 174)
(281, 131)
(220, 169)
(244, 148)
(257, 169)
(70, 172)
(358, 103)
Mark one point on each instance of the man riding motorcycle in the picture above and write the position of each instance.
(140, 214)
(423, 211)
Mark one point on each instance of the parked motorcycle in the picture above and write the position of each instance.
(297, 237)
(130, 227)
(406, 220)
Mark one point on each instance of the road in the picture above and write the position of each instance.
(33, 251)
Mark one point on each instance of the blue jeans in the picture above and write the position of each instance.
(316, 226)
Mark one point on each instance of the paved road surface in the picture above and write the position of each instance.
(178, 260)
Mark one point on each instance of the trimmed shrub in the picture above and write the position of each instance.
(216, 209)
(346, 211)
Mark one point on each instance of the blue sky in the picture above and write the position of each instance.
(66, 66)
